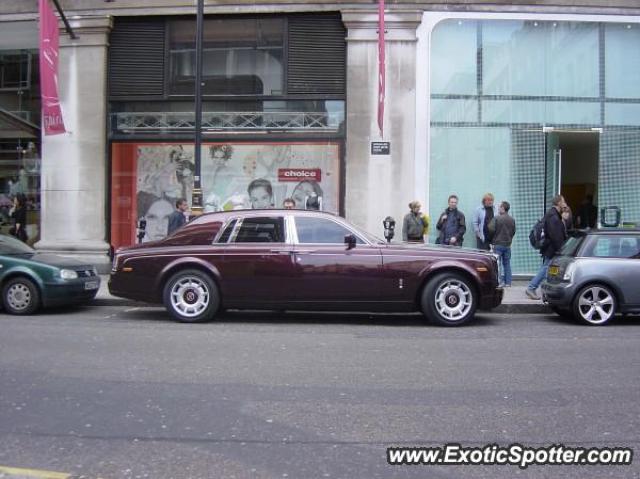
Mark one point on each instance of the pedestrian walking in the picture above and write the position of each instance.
(503, 228)
(481, 219)
(415, 224)
(555, 233)
(451, 224)
(18, 214)
(178, 218)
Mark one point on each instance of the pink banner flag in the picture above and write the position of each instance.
(49, 36)
(381, 66)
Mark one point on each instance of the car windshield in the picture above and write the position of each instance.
(570, 247)
(10, 245)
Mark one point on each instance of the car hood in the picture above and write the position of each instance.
(55, 260)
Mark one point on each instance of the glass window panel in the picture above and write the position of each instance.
(261, 230)
(541, 112)
(540, 58)
(240, 57)
(622, 61)
(619, 173)
(509, 163)
(454, 111)
(453, 57)
(314, 230)
(626, 114)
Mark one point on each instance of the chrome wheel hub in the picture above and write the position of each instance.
(453, 300)
(190, 296)
(19, 297)
(596, 305)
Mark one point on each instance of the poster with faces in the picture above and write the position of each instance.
(236, 176)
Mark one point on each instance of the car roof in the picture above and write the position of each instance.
(224, 215)
(609, 231)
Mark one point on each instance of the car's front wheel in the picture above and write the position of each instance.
(449, 299)
(595, 304)
(20, 296)
(191, 296)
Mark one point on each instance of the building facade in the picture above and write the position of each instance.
(523, 102)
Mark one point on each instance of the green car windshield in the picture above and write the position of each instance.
(10, 246)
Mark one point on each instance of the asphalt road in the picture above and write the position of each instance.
(116, 393)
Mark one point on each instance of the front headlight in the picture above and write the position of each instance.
(68, 274)
(568, 273)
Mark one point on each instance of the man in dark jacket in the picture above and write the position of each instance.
(451, 224)
(555, 234)
(504, 229)
(177, 218)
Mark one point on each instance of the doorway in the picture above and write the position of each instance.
(571, 166)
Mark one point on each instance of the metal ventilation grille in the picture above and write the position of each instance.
(317, 55)
(137, 59)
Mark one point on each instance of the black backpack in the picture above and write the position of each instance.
(536, 235)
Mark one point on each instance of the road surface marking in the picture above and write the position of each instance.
(29, 473)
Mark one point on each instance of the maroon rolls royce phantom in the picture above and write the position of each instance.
(301, 260)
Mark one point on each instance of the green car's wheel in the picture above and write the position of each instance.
(20, 296)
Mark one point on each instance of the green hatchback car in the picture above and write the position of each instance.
(30, 280)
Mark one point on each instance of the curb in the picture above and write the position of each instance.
(508, 308)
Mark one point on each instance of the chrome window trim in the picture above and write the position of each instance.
(222, 230)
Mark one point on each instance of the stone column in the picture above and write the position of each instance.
(377, 186)
(74, 164)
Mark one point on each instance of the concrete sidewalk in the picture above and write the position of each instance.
(515, 301)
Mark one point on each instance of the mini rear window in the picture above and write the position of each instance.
(570, 247)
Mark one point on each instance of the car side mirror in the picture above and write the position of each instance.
(350, 241)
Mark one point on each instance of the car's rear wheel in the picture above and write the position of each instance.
(191, 296)
(595, 304)
(20, 296)
(449, 299)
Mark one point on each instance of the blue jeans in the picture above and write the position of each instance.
(542, 274)
(504, 258)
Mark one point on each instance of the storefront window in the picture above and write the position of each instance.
(240, 57)
(535, 58)
(534, 77)
(148, 178)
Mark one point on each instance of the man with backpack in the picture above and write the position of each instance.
(555, 235)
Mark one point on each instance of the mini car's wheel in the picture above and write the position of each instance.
(595, 304)
(449, 299)
(191, 296)
(20, 296)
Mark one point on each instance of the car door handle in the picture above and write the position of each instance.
(281, 251)
(305, 251)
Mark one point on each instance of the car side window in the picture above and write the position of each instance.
(629, 247)
(261, 230)
(321, 230)
(617, 246)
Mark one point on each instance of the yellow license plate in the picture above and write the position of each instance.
(554, 270)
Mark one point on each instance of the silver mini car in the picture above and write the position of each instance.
(595, 276)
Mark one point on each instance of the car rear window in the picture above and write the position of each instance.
(570, 247)
(613, 246)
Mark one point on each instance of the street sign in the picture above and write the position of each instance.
(380, 147)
